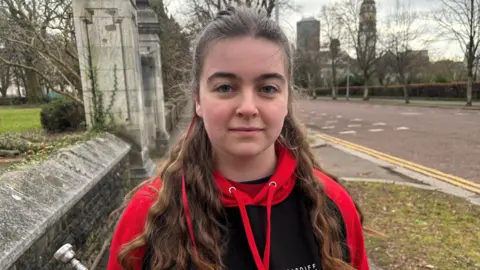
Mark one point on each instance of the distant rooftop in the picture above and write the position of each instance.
(308, 19)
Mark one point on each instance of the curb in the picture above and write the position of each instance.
(385, 181)
(434, 183)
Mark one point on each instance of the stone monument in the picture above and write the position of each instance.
(117, 42)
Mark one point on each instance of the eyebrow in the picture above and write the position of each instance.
(228, 75)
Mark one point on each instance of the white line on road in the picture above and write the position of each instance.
(323, 114)
(356, 120)
(402, 128)
(348, 132)
(328, 127)
(354, 125)
(375, 130)
(339, 116)
(331, 122)
(379, 124)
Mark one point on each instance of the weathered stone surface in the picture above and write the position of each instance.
(65, 199)
(108, 43)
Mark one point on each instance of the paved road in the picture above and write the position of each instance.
(444, 139)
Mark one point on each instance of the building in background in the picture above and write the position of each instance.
(308, 35)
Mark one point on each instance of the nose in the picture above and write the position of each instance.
(247, 106)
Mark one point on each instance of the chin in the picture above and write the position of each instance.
(246, 149)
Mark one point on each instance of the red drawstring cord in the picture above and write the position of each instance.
(248, 229)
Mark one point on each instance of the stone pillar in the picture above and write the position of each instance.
(107, 43)
(152, 67)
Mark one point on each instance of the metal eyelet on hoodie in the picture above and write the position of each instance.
(231, 189)
(273, 183)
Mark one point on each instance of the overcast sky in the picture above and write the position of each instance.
(307, 8)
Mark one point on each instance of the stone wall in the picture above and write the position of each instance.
(173, 112)
(66, 199)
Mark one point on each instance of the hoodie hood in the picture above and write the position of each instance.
(282, 182)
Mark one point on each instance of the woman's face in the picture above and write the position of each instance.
(243, 96)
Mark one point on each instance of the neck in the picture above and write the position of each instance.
(242, 169)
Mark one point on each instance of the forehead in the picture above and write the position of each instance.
(246, 57)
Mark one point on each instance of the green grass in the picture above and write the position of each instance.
(423, 228)
(19, 119)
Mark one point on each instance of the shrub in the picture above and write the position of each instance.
(62, 115)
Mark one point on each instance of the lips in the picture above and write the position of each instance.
(246, 129)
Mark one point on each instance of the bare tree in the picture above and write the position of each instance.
(403, 28)
(42, 32)
(308, 70)
(447, 70)
(202, 12)
(460, 20)
(384, 69)
(334, 53)
(334, 31)
(359, 20)
(5, 79)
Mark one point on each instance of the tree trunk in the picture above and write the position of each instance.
(405, 93)
(404, 83)
(19, 92)
(334, 80)
(32, 88)
(469, 89)
(366, 95)
(310, 86)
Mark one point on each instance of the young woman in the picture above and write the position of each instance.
(241, 190)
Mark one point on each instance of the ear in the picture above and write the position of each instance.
(198, 109)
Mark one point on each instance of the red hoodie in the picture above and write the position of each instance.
(285, 236)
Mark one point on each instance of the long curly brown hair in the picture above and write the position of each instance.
(166, 227)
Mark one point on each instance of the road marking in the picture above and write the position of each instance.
(379, 124)
(339, 116)
(356, 120)
(331, 122)
(328, 127)
(312, 112)
(460, 114)
(323, 114)
(376, 130)
(452, 179)
(348, 132)
(402, 128)
(354, 125)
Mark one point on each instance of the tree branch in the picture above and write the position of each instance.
(43, 77)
